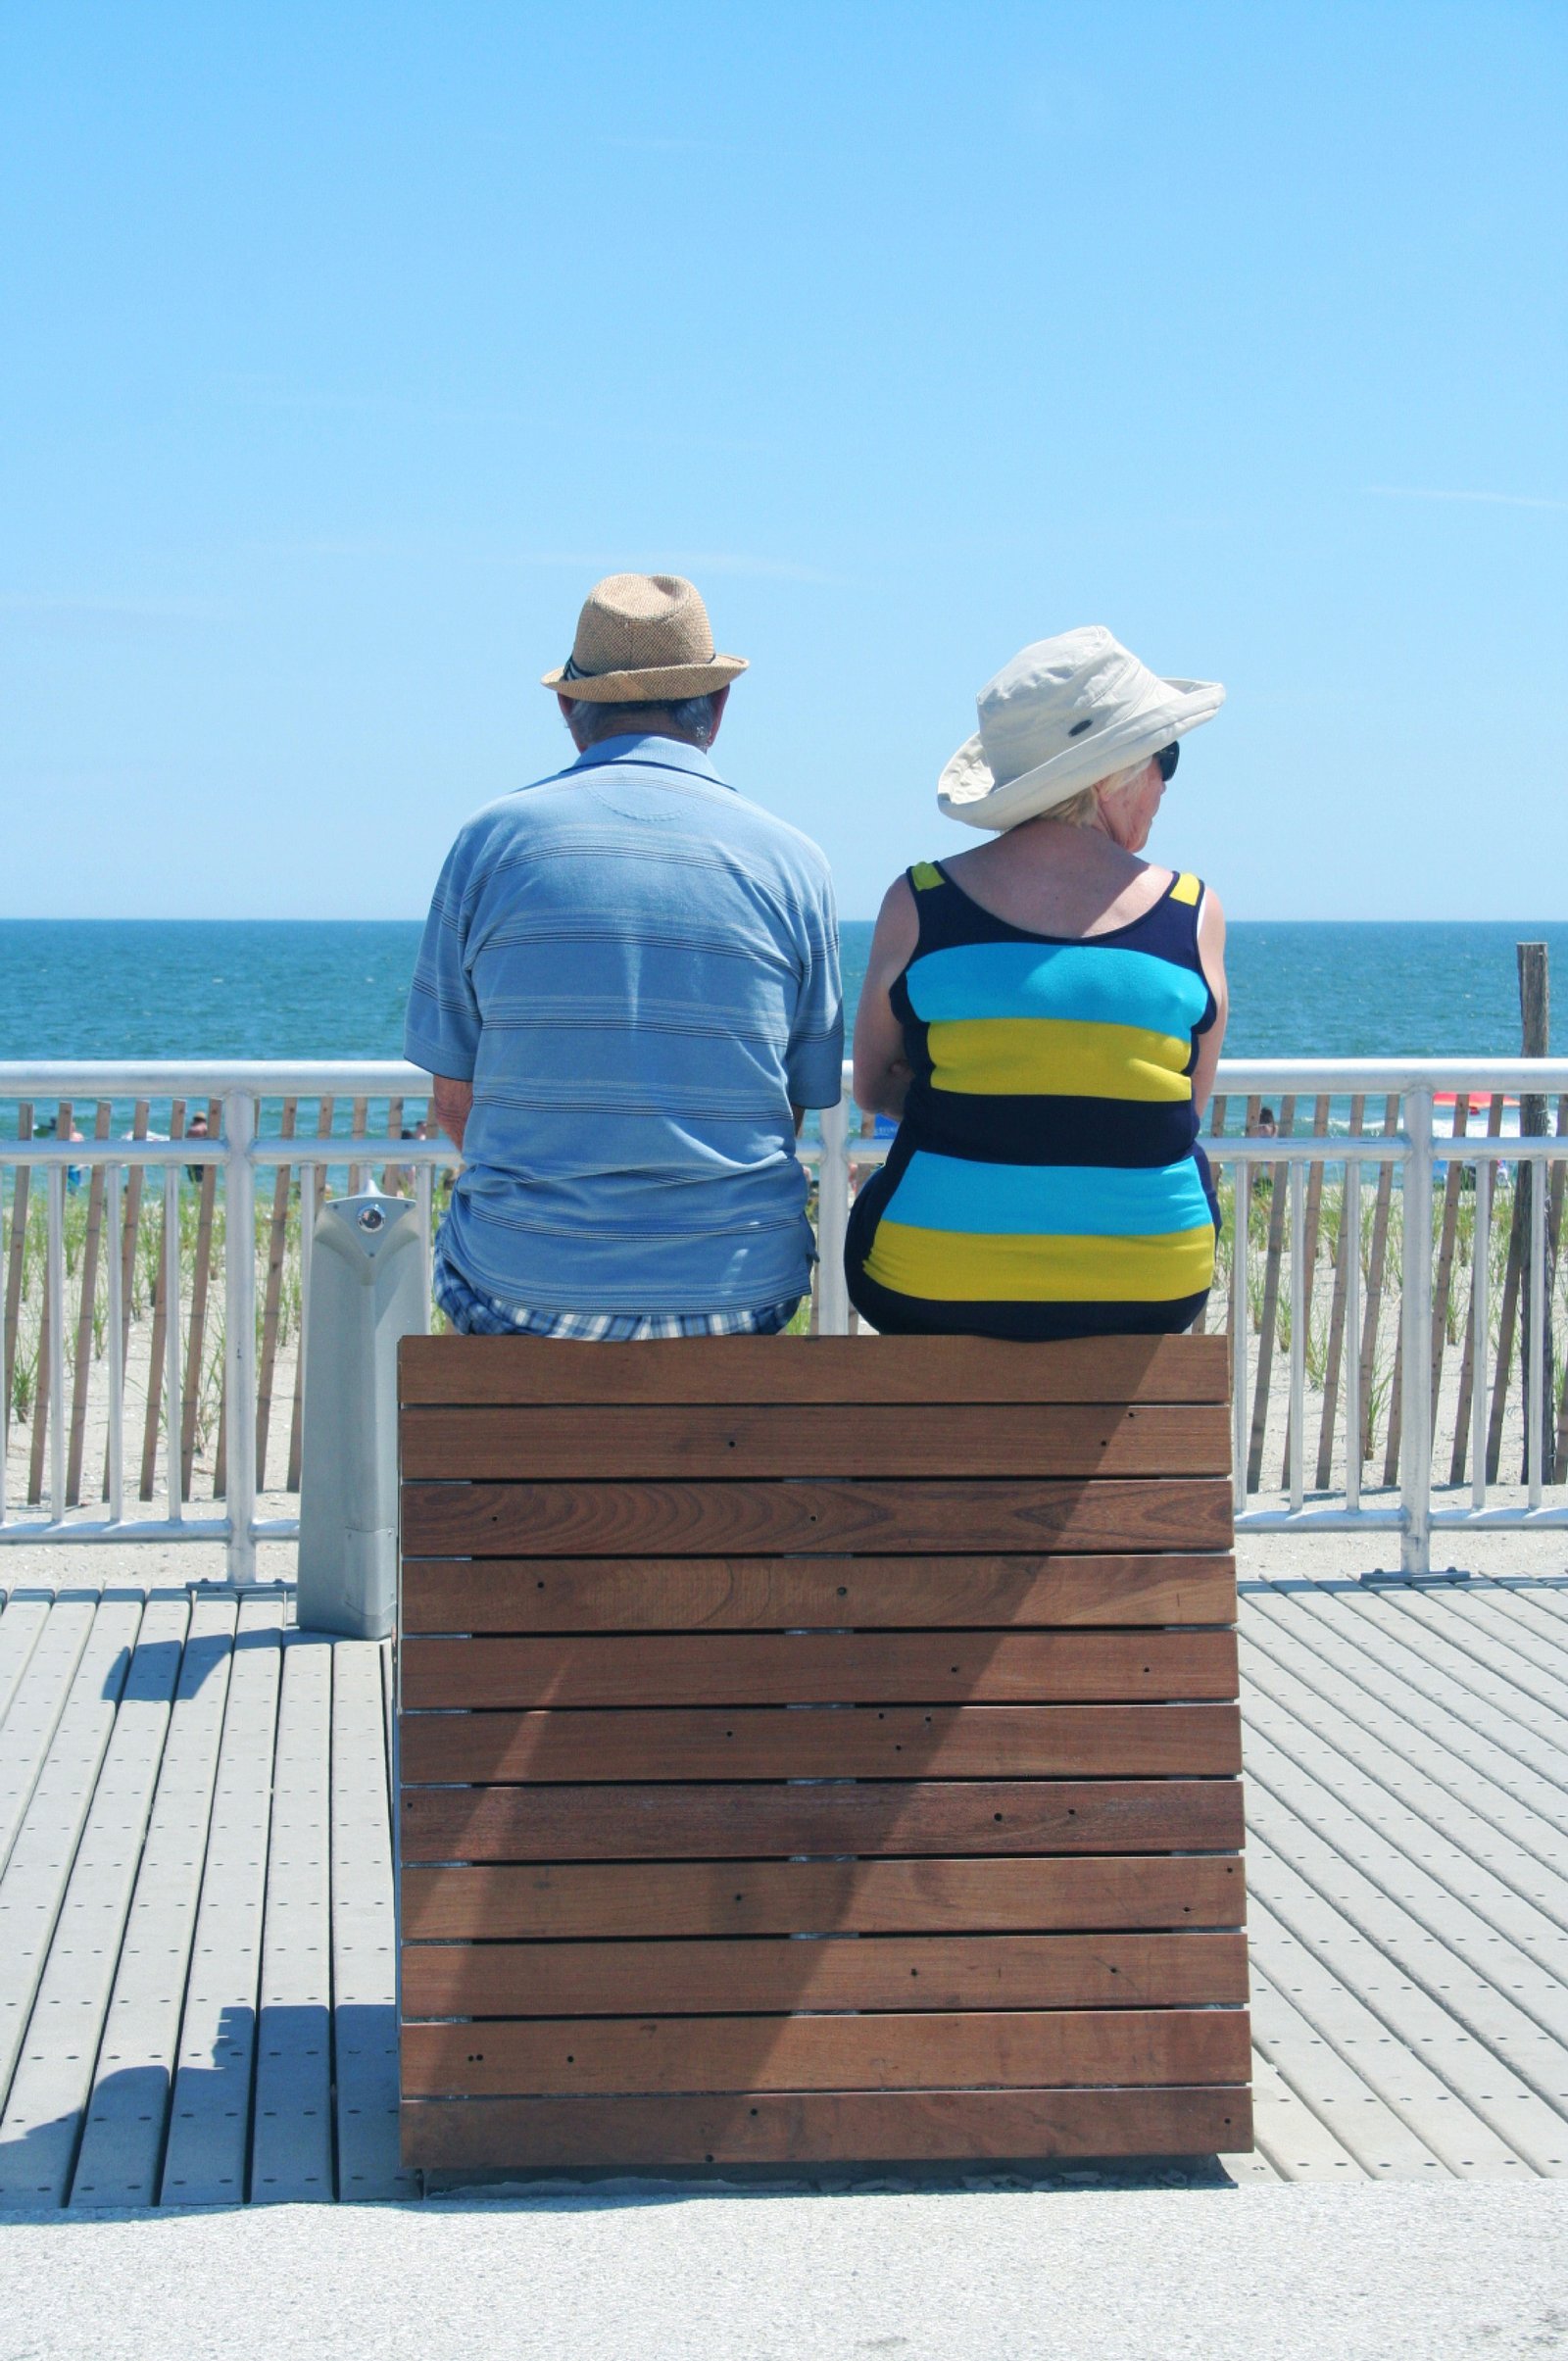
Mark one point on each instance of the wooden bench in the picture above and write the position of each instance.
(818, 1750)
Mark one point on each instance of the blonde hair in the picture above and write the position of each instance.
(1081, 810)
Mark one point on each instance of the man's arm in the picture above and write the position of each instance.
(453, 1101)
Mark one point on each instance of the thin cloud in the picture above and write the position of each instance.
(1491, 500)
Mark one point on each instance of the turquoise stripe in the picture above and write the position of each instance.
(1037, 1200)
(1083, 982)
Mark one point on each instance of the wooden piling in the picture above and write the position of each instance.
(1269, 1321)
(81, 1374)
(126, 1246)
(1534, 1016)
(1376, 1260)
(155, 1367)
(15, 1259)
(1349, 1244)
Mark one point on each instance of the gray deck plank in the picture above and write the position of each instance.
(1362, 1703)
(35, 1709)
(1458, 1654)
(1475, 1730)
(127, 2113)
(363, 1931)
(43, 2116)
(208, 2128)
(1365, 2125)
(20, 1624)
(1504, 1934)
(1295, 2143)
(291, 2145)
(1431, 1955)
(36, 1874)
(1467, 1618)
(1418, 2019)
(1388, 2061)
(1440, 1832)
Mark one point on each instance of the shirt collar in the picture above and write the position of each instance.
(654, 753)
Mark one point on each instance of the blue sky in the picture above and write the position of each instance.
(341, 348)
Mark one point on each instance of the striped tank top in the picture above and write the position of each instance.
(1045, 1179)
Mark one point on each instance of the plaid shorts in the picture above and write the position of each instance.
(476, 1314)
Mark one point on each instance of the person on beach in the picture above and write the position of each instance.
(1044, 1014)
(626, 997)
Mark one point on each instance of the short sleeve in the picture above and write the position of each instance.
(815, 1059)
(441, 1031)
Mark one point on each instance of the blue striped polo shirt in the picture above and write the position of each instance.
(638, 971)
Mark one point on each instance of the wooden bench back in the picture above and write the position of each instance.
(819, 1748)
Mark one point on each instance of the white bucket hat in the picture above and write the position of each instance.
(1063, 713)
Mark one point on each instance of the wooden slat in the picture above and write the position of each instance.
(790, 1593)
(165, 1286)
(83, 1358)
(1268, 1318)
(201, 1273)
(125, 1247)
(853, 1370)
(866, 1897)
(51, 1316)
(1031, 2050)
(905, 1438)
(1467, 1371)
(762, 1668)
(16, 1257)
(272, 1292)
(296, 1430)
(837, 1971)
(1348, 1244)
(676, 1823)
(898, 1741)
(541, 2134)
(612, 1520)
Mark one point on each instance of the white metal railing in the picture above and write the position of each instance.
(250, 1142)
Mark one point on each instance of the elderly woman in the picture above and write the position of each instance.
(1044, 1014)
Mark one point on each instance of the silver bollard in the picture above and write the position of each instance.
(367, 1291)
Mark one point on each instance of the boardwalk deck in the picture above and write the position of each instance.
(196, 1940)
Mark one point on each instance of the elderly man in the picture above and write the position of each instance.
(627, 994)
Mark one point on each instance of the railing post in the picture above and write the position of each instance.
(239, 1330)
(1415, 1338)
(833, 1220)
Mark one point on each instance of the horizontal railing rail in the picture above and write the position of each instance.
(1346, 1248)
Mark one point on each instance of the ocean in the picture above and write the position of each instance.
(265, 988)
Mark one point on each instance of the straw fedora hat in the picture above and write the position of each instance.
(643, 638)
(1065, 712)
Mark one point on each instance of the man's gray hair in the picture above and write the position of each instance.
(692, 717)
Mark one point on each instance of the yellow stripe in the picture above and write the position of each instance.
(1057, 1056)
(1187, 888)
(950, 1266)
(925, 874)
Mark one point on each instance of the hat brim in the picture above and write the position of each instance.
(966, 791)
(646, 687)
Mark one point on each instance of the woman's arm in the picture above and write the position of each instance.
(881, 1074)
(1212, 953)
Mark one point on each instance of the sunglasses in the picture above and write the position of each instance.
(1167, 758)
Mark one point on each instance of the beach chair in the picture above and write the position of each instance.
(818, 1750)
